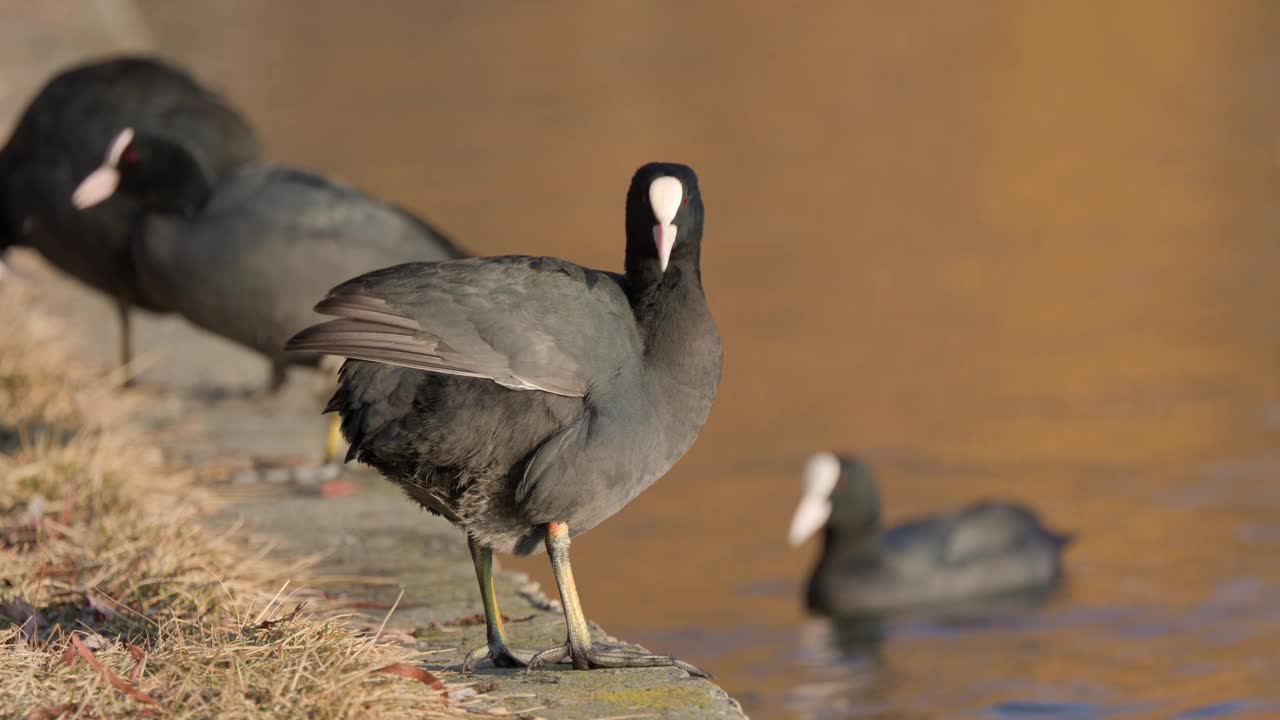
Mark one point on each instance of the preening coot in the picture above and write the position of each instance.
(61, 137)
(527, 399)
(245, 255)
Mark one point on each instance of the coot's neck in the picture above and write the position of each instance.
(183, 199)
(682, 357)
(842, 553)
(660, 298)
(681, 343)
(165, 176)
(647, 277)
(843, 548)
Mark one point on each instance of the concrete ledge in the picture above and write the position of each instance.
(379, 532)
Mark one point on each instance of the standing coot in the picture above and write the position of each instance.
(987, 549)
(246, 255)
(60, 138)
(553, 394)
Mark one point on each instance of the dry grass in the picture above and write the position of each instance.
(116, 602)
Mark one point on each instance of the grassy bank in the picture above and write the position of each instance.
(116, 602)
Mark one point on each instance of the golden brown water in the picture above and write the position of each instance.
(1002, 249)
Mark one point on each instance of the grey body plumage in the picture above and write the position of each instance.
(987, 550)
(246, 264)
(63, 134)
(242, 255)
(552, 392)
(527, 399)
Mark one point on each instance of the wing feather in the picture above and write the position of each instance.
(526, 323)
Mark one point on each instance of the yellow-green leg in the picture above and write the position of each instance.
(333, 439)
(126, 341)
(578, 648)
(495, 648)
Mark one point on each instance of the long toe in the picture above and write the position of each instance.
(611, 656)
(600, 655)
(550, 656)
(501, 656)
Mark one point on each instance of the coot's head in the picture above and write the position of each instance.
(664, 221)
(160, 173)
(839, 494)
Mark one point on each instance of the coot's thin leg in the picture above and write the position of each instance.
(579, 633)
(496, 648)
(126, 341)
(333, 444)
(579, 649)
(277, 377)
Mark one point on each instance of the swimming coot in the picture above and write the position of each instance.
(527, 399)
(987, 549)
(60, 137)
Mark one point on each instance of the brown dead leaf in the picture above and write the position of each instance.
(66, 567)
(139, 661)
(53, 711)
(413, 672)
(68, 655)
(120, 683)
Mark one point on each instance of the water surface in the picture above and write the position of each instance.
(1002, 249)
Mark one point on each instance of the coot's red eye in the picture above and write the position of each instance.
(131, 156)
(685, 201)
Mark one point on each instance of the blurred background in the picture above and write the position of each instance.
(1011, 249)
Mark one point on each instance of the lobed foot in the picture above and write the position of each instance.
(600, 655)
(500, 655)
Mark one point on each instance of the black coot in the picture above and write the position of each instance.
(988, 549)
(553, 394)
(60, 138)
(244, 257)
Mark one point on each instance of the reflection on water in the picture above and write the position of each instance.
(1003, 249)
(1170, 655)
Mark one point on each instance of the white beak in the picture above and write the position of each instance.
(664, 237)
(665, 195)
(103, 182)
(811, 515)
(97, 187)
(821, 473)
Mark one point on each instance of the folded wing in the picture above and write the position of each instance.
(527, 323)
